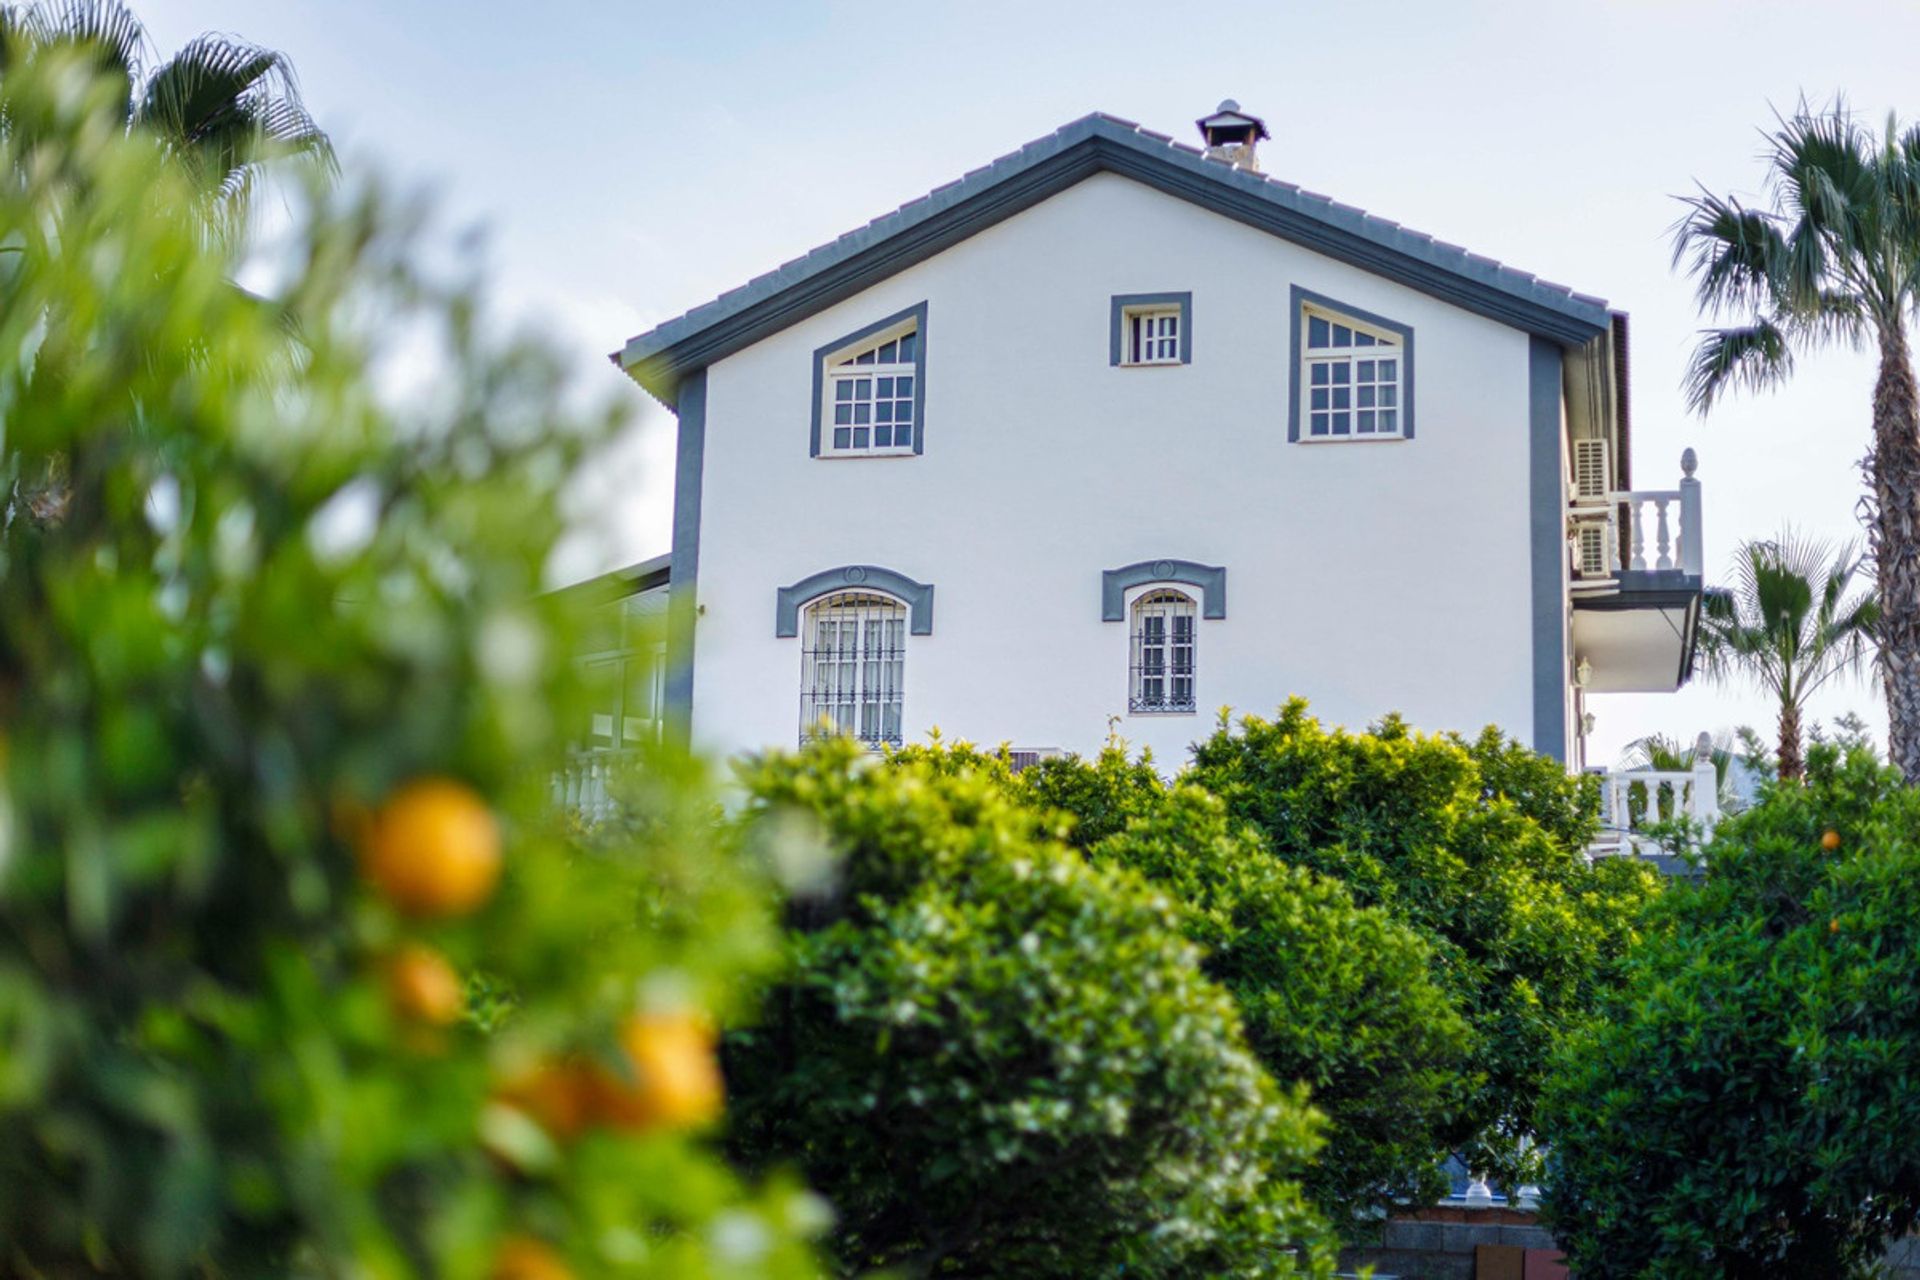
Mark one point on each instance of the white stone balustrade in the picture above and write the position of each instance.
(1631, 800)
(582, 787)
(1650, 530)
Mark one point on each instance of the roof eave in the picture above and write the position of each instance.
(659, 358)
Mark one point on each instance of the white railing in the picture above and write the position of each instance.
(582, 786)
(1639, 530)
(1631, 800)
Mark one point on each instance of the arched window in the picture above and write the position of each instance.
(852, 663)
(1162, 674)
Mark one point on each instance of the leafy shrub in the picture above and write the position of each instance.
(1338, 996)
(222, 1050)
(1745, 1107)
(1478, 847)
(996, 1059)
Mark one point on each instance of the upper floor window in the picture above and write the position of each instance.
(1356, 371)
(1151, 328)
(853, 666)
(869, 393)
(1163, 652)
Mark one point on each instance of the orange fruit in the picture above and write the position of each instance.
(560, 1096)
(524, 1258)
(676, 1078)
(1830, 841)
(433, 849)
(423, 987)
(1833, 926)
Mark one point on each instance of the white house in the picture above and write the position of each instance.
(1116, 432)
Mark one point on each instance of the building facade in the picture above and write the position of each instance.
(1115, 433)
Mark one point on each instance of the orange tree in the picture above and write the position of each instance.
(299, 973)
(1478, 846)
(997, 1059)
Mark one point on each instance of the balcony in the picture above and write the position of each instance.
(1637, 570)
(1634, 801)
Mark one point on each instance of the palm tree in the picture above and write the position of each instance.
(1836, 257)
(223, 107)
(1792, 622)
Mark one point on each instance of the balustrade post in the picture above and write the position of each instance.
(1706, 785)
(1693, 551)
(1635, 516)
(1663, 538)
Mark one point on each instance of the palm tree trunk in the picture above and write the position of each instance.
(1793, 765)
(1893, 471)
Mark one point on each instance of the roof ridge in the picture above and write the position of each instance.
(1382, 236)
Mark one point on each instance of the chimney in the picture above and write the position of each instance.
(1231, 135)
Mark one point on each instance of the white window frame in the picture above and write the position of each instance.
(1164, 347)
(1350, 358)
(1142, 666)
(878, 681)
(833, 375)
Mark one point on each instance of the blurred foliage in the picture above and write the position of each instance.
(243, 600)
(1479, 847)
(1745, 1106)
(997, 1059)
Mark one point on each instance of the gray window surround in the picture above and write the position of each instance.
(918, 315)
(1211, 579)
(1125, 302)
(1298, 299)
(917, 596)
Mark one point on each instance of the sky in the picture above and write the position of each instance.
(631, 160)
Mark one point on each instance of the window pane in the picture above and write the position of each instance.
(862, 413)
(1362, 339)
(1342, 424)
(1365, 424)
(1342, 373)
(1364, 373)
(1319, 424)
(909, 347)
(1340, 397)
(1316, 332)
(1389, 394)
(1389, 370)
(1363, 397)
(1319, 374)
(883, 387)
(903, 411)
(865, 357)
(860, 437)
(843, 389)
(1389, 420)
(862, 388)
(842, 437)
(903, 387)
(883, 411)
(1342, 336)
(889, 353)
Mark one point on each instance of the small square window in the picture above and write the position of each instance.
(1151, 329)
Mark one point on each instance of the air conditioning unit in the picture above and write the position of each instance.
(1019, 758)
(1593, 549)
(1592, 471)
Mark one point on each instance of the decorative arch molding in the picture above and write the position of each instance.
(1211, 579)
(917, 596)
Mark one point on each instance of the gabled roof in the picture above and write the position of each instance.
(659, 358)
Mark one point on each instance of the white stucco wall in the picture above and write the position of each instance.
(1367, 576)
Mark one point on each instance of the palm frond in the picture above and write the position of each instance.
(1734, 253)
(224, 105)
(106, 29)
(1753, 356)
